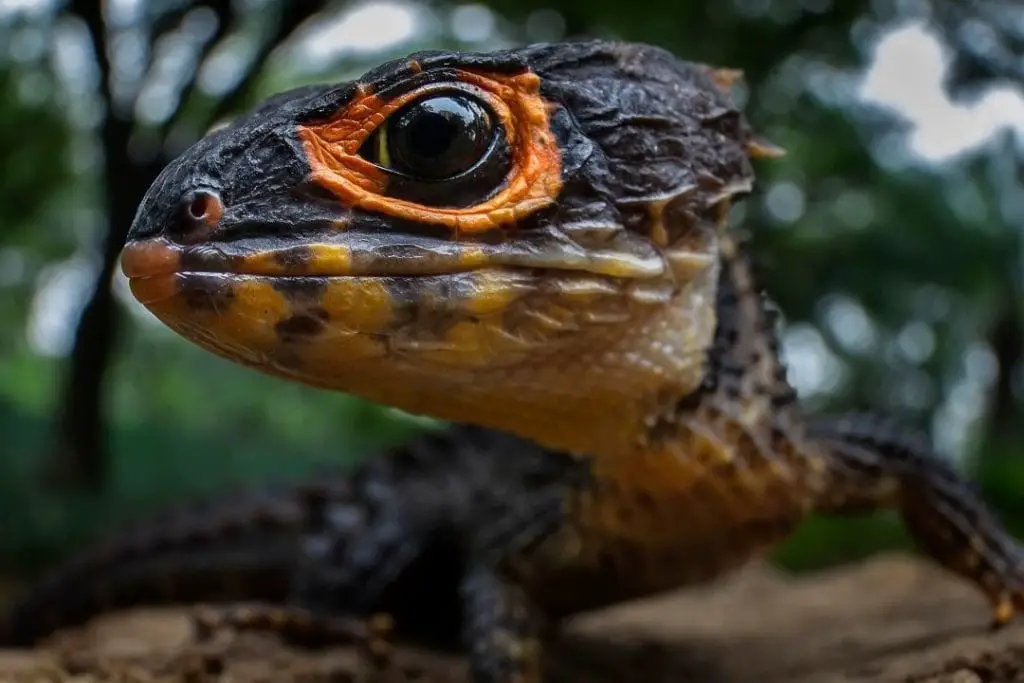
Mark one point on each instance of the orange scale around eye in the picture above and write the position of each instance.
(533, 182)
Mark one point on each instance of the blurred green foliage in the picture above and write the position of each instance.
(902, 279)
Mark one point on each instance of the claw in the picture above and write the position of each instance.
(1003, 612)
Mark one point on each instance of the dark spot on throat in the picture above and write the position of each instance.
(645, 500)
(302, 325)
(287, 358)
(208, 292)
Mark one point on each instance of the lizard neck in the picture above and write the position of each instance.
(744, 368)
(619, 390)
(722, 355)
(616, 364)
(714, 345)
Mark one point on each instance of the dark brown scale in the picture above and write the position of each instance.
(294, 259)
(302, 325)
(210, 294)
(288, 357)
(301, 291)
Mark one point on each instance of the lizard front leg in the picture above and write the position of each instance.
(876, 463)
(502, 628)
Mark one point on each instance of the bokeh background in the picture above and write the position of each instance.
(891, 235)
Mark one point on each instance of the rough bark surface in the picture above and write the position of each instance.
(892, 619)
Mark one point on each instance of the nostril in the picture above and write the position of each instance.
(205, 206)
(202, 211)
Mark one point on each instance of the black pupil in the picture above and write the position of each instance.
(439, 137)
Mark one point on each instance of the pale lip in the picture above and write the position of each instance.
(150, 258)
(160, 269)
(152, 290)
(152, 267)
(373, 256)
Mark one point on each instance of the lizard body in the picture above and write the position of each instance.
(388, 528)
(534, 242)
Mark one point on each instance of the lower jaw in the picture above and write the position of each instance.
(352, 334)
(478, 292)
(154, 289)
(259, 316)
(439, 346)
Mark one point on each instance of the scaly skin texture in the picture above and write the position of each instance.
(384, 538)
(565, 275)
(562, 289)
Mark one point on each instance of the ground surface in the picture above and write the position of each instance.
(891, 619)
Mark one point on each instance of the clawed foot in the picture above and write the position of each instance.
(371, 636)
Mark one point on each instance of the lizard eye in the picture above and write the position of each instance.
(464, 149)
(434, 138)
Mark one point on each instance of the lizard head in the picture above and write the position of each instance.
(525, 240)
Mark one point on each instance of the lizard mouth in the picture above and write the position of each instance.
(373, 256)
(292, 306)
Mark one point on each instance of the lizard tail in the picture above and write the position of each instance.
(383, 538)
(244, 547)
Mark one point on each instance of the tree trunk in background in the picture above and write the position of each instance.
(78, 459)
(1006, 419)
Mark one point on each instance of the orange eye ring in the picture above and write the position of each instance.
(533, 181)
